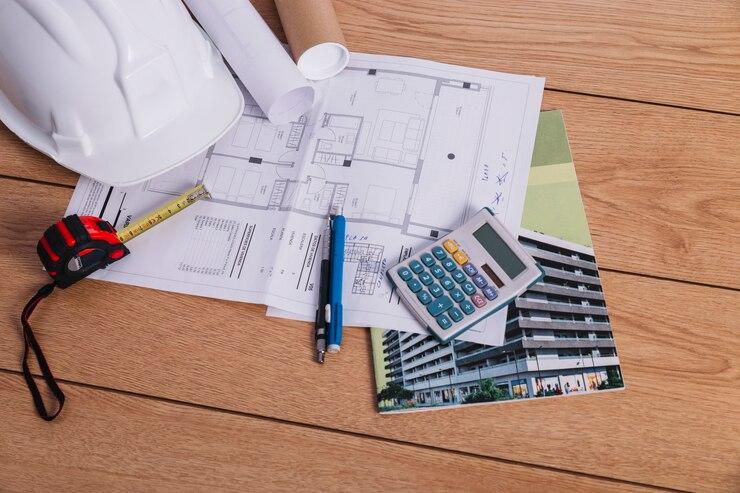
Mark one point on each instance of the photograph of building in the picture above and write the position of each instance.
(558, 341)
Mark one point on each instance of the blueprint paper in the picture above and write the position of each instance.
(408, 149)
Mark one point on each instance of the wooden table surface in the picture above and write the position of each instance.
(650, 94)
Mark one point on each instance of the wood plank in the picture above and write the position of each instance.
(684, 52)
(22, 161)
(660, 185)
(678, 344)
(113, 442)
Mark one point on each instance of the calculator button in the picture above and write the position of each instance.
(436, 290)
(426, 278)
(457, 275)
(478, 300)
(416, 266)
(455, 314)
(468, 287)
(490, 293)
(447, 283)
(450, 246)
(444, 322)
(467, 307)
(436, 271)
(480, 281)
(470, 269)
(457, 295)
(427, 259)
(460, 257)
(414, 285)
(424, 297)
(439, 305)
(439, 252)
(404, 273)
(448, 264)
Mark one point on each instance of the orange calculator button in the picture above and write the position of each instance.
(450, 246)
(460, 257)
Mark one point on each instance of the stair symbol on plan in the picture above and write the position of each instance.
(277, 194)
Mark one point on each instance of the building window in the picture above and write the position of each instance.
(568, 353)
(519, 389)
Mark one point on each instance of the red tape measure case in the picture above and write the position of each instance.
(77, 246)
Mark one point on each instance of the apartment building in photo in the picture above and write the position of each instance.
(558, 339)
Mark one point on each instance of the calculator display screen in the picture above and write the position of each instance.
(499, 250)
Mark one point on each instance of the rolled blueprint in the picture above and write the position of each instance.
(257, 57)
(314, 36)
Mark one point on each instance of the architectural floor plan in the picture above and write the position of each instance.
(407, 150)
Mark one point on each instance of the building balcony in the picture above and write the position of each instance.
(430, 344)
(410, 375)
(393, 351)
(464, 345)
(542, 287)
(571, 276)
(556, 306)
(576, 362)
(443, 351)
(567, 343)
(396, 375)
(533, 323)
(410, 341)
(562, 259)
(467, 377)
(405, 336)
(534, 343)
(390, 336)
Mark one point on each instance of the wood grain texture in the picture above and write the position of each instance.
(112, 442)
(678, 344)
(19, 160)
(678, 52)
(662, 191)
(661, 185)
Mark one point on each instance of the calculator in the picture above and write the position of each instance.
(465, 276)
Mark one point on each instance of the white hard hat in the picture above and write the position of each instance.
(118, 90)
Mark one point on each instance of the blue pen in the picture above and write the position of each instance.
(336, 255)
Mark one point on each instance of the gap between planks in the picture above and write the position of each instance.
(205, 407)
(604, 269)
(641, 101)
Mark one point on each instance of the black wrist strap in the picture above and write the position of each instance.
(31, 343)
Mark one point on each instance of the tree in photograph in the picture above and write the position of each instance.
(395, 392)
(613, 379)
(488, 392)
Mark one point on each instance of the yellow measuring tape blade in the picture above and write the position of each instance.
(163, 213)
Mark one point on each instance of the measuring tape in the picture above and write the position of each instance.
(72, 249)
(76, 246)
(163, 213)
